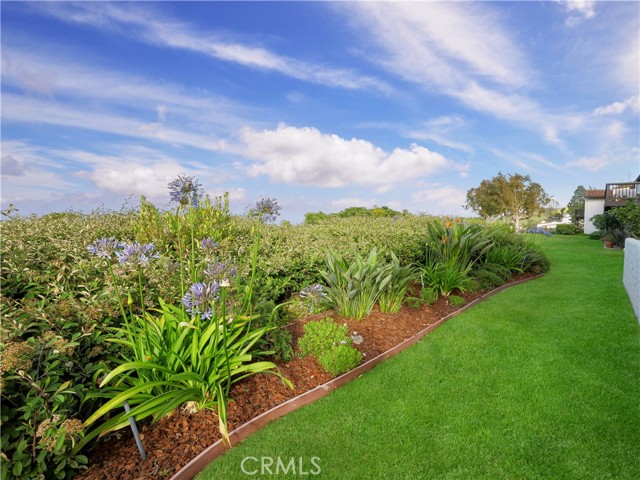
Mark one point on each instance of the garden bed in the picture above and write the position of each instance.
(174, 441)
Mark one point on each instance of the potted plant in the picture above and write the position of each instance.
(607, 238)
(619, 235)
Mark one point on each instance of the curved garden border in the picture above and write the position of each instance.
(212, 452)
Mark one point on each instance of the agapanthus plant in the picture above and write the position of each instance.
(314, 294)
(185, 190)
(136, 254)
(200, 298)
(190, 353)
(266, 209)
(209, 246)
(105, 247)
(219, 271)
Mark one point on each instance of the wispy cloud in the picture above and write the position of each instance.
(461, 50)
(147, 25)
(16, 108)
(631, 104)
(73, 95)
(439, 130)
(529, 161)
(306, 156)
(592, 164)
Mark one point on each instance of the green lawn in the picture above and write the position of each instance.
(540, 381)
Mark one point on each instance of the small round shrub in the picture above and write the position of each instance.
(486, 279)
(429, 295)
(414, 302)
(597, 235)
(502, 272)
(320, 336)
(566, 229)
(456, 300)
(339, 359)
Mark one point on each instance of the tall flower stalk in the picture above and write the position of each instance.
(186, 192)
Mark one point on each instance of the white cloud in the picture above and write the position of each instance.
(439, 198)
(578, 10)
(593, 164)
(31, 175)
(235, 193)
(126, 170)
(147, 25)
(306, 156)
(12, 167)
(632, 104)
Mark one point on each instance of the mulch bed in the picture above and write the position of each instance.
(175, 440)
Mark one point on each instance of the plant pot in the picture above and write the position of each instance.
(608, 244)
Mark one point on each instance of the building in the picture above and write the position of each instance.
(613, 195)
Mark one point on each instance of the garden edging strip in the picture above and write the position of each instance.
(242, 432)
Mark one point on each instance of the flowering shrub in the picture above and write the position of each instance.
(40, 401)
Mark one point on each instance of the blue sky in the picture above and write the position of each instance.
(320, 105)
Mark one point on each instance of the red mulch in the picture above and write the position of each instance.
(175, 440)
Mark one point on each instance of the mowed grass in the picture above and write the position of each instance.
(541, 381)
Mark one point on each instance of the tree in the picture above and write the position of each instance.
(577, 200)
(576, 204)
(514, 197)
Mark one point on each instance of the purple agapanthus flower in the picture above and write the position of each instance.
(209, 246)
(267, 209)
(136, 253)
(104, 247)
(185, 190)
(314, 293)
(200, 297)
(218, 271)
